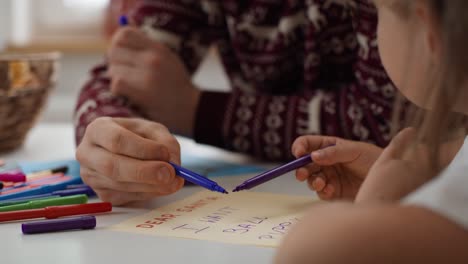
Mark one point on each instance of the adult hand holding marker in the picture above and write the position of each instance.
(126, 159)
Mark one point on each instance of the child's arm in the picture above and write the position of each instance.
(401, 170)
(361, 234)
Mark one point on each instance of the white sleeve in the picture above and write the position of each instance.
(448, 193)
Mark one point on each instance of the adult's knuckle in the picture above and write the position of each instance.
(109, 167)
(142, 172)
(106, 195)
(81, 154)
(123, 35)
(152, 59)
(116, 140)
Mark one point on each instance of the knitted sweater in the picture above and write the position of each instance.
(295, 67)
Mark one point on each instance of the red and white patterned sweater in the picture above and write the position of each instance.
(296, 67)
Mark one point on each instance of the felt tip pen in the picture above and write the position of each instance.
(22, 200)
(60, 193)
(197, 179)
(13, 176)
(274, 173)
(51, 212)
(36, 204)
(62, 169)
(1, 185)
(61, 224)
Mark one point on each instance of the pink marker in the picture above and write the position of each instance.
(13, 176)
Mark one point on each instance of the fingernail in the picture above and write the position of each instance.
(319, 184)
(329, 189)
(317, 154)
(164, 175)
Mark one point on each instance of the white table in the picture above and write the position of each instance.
(55, 142)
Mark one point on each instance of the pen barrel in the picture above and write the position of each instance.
(19, 215)
(82, 222)
(92, 208)
(68, 192)
(201, 181)
(75, 199)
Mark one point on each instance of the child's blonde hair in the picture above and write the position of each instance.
(445, 81)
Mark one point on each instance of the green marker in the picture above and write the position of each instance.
(37, 204)
(22, 201)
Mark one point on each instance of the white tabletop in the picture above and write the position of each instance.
(49, 142)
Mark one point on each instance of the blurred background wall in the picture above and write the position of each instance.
(78, 29)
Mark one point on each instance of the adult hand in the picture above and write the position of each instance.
(154, 78)
(125, 159)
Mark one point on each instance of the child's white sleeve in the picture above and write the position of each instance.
(448, 193)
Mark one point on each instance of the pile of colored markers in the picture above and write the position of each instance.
(65, 209)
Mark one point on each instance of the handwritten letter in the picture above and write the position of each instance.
(251, 218)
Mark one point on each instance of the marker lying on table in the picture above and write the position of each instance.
(61, 193)
(13, 176)
(61, 169)
(197, 179)
(74, 199)
(274, 173)
(54, 225)
(21, 201)
(56, 211)
(76, 186)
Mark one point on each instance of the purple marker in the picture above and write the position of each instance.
(85, 190)
(75, 186)
(62, 224)
(273, 173)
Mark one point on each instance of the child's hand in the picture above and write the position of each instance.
(125, 159)
(154, 78)
(339, 167)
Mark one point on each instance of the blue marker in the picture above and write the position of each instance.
(85, 190)
(197, 179)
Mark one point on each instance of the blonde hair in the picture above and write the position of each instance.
(444, 81)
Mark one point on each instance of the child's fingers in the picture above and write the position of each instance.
(327, 184)
(317, 182)
(304, 173)
(344, 151)
(306, 144)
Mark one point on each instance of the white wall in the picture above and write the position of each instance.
(74, 72)
(5, 22)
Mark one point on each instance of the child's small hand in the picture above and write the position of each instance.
(339, 167)
(125, 159)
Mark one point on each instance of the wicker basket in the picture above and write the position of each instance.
(25, 83)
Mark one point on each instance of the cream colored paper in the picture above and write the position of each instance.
(243, 218)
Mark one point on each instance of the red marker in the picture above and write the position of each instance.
(57, 211)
